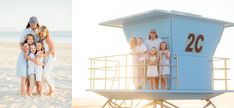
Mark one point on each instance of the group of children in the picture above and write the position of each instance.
(35, 51)
(153, 61)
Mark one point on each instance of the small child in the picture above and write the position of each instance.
(34, 70)
(152, 69)
(31, 69)
(165, 64)
(141, 51)
(26, 46)
(39, 68)
(29, 39)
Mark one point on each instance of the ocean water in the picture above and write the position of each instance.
(57, 36)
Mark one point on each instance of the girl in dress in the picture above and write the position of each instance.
(152, 69)
(165, 64)
(39, 69)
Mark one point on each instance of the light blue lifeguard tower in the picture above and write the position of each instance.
(192, 41)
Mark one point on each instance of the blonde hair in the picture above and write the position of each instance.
(154, 49)
(133, 42)
(42, 46)
(42, 29)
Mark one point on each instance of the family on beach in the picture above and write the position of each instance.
(151, 61)
(36, 59)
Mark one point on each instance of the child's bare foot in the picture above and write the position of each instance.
(40, 93)
(51, 93)
(30, 94)
(23, 95)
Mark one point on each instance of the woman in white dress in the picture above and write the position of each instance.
(21, 64)
(133, 45)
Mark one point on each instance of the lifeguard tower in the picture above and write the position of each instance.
(192, 41)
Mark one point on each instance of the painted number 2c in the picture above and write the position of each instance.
(191, 46)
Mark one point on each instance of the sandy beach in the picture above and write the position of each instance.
(10, 83)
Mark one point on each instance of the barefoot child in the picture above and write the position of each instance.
(21, 68)
(34, 70)
(31, 69)
(165, 62)
(39, 68)
(29, 39)
(152, 69)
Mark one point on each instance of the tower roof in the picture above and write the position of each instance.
(157, 14)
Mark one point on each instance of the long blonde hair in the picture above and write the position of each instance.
(42, 29)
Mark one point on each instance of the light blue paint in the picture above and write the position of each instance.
(195, 69)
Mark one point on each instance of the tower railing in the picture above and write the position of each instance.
(220, 73)
(119, 72)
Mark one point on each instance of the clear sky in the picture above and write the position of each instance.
(56, 14)
(91, 39)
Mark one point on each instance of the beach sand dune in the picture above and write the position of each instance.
(10, 83)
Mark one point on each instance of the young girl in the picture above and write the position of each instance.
(141, 51)
(21, 67)
(39, 69)
(152, 69)
(165, 64)
(29, 39)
